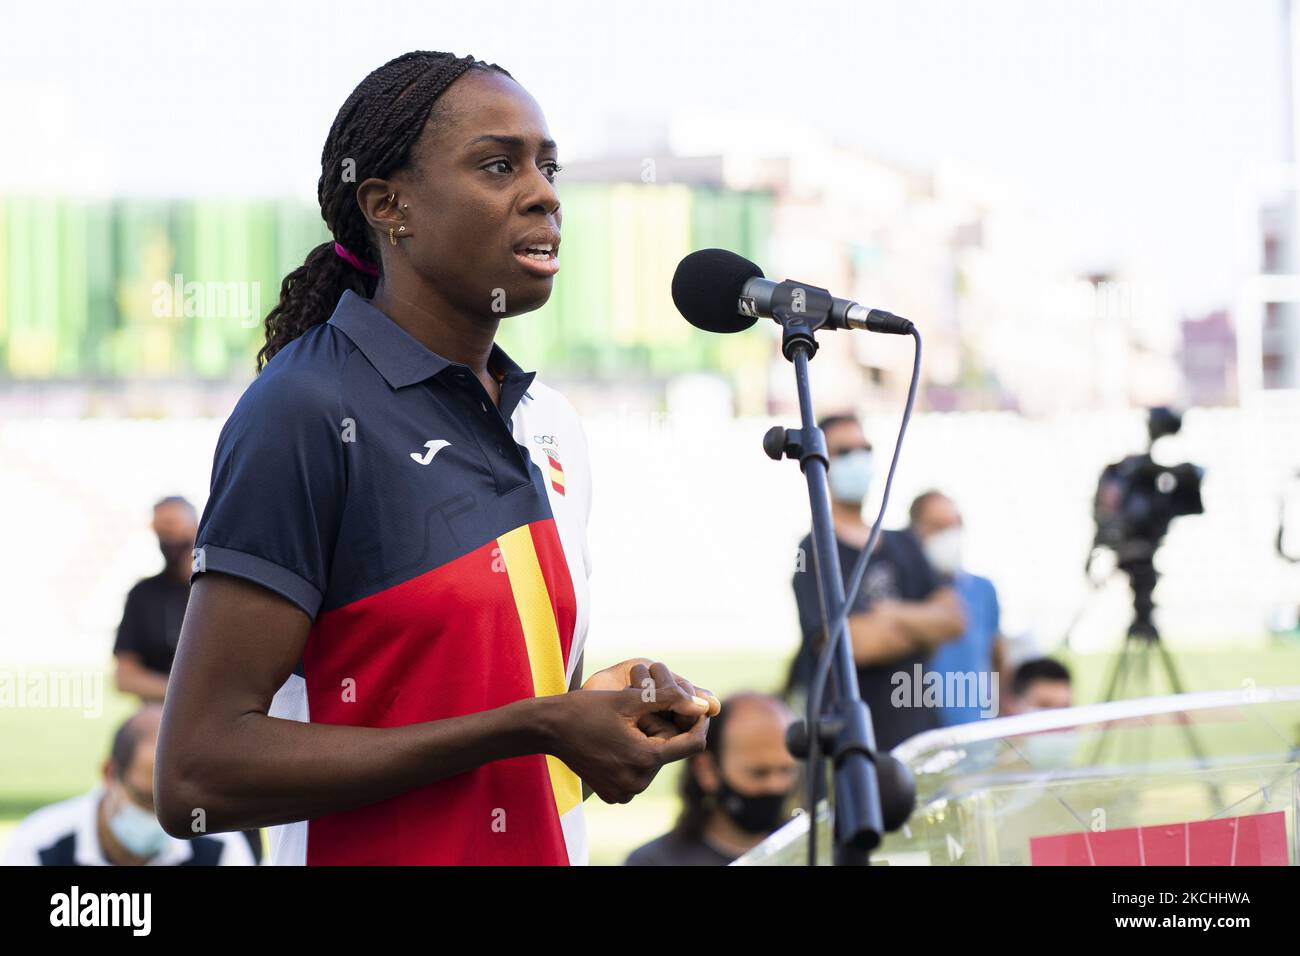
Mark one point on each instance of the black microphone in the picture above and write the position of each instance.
(719, 291)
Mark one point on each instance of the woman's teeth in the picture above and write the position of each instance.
(541, 258)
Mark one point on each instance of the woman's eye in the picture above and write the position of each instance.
(503, 166)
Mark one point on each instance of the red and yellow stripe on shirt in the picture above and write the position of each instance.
(557, 473)
(486, 629)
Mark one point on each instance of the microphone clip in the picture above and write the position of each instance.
(812, 302)
(796, 332)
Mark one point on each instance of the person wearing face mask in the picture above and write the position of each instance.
(155, 607)
(1042, 683)
(903, 610)
(735, 793)
(981, 650)
(114, 824)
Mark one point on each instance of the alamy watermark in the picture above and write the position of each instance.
(43, 689)
(950, 689)
(208, 300)
(132, 911)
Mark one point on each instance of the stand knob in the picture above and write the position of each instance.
(897, 785)
(774, 443)
(897, 791)
(796, 740)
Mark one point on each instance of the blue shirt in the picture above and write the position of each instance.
(972, 653)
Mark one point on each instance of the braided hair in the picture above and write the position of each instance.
(371, 136)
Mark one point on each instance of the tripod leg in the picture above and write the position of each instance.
(1170, 671)
(1116, 680)
(1189, 733)
(1114, 686)
(1141, 749)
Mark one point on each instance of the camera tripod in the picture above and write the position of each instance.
(1132, 670)
(1142, 640)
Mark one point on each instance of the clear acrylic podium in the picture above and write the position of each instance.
(1193, 779)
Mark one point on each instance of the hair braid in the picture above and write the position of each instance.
(375, 128)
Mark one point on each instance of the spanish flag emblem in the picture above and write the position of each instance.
(557, 472)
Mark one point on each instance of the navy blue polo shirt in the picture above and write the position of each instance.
(438, 543)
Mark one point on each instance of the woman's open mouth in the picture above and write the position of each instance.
(539, 259)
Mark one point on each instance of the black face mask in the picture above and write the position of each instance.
(758, 813)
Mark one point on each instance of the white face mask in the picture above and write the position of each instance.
(1049, 751)
(943, 549)
(850, 476)
(138, 830)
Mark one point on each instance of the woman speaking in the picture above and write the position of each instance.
(382, 653)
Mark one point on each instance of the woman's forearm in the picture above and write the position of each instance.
(260, 771)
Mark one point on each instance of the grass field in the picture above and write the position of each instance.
(52, 754)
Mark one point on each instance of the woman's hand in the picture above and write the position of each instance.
(616, 740)
(640, 673)
(621, 676)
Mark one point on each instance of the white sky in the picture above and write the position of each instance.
(1134, 122)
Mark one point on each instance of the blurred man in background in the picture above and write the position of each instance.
(736, 792)
(902, 612)
(979, 653)
(114, 824)
(155, 607)
(1041, 684)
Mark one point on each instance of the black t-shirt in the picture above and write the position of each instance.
(673, 849)
(899, 571)
(151, 621)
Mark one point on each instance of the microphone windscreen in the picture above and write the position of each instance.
(707, 286)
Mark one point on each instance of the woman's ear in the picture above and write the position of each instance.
(378, 201)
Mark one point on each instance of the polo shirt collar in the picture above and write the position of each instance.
(400, 358)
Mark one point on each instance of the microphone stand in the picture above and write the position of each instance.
(843, 728)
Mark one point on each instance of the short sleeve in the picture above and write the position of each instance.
(805, 593)
(914, 563)
(129, 637)
(278, 488)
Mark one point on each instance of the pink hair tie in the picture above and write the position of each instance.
(359, 264)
